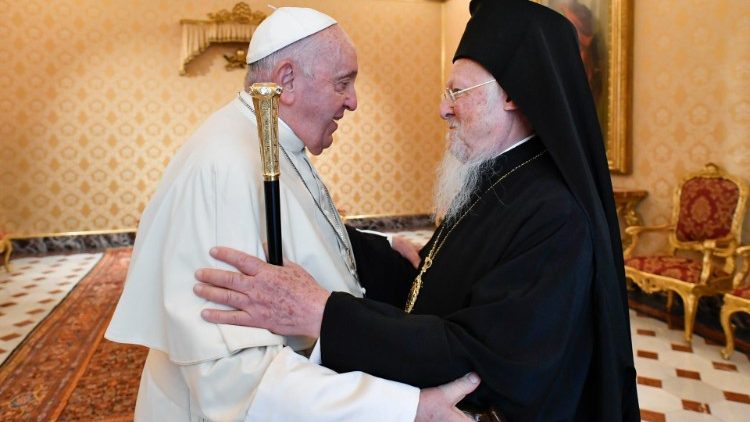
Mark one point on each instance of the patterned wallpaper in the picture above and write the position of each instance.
(92, 107)
(691, 96)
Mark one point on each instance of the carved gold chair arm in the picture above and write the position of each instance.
(708, 249)
(721, 249)
(635, 232)
(724, 249)
(743, 253)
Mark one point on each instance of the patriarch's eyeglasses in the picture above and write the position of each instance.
(452, 94)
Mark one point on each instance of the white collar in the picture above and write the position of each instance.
(522, 141)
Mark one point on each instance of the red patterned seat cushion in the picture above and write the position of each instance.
(743, 292)
(684, 269)
(707, 206)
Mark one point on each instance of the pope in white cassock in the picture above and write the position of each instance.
(211, 194)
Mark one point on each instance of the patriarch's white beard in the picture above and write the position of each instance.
(456, 180)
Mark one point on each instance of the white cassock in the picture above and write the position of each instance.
(212, 194)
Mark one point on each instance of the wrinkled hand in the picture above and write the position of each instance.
(439, 403)
(285, 300)
(407, 249)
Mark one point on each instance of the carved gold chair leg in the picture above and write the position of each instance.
(726, 324)
(670, 300)
(690, 303)
(732, 304)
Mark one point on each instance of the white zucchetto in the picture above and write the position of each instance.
(285, 26)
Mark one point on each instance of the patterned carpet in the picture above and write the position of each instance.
(35, 287)
(109, 386)
(64, 369)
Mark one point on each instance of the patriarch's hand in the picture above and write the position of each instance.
(285, 300)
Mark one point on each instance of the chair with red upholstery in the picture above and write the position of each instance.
(738, 300)
(703, 236)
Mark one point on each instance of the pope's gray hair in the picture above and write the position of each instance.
(304, 52)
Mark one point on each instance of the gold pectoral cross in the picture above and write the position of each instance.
(417, 285)
(440, 239)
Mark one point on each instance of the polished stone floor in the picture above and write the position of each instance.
(687, 382)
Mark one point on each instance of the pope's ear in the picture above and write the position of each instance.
(283, 75)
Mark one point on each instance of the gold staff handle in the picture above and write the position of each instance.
(266, 102)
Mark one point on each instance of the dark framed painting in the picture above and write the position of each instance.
(605, 37)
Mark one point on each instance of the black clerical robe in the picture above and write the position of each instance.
(509, 296)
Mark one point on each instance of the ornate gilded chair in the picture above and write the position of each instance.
(738, 300)
(704, 233)
(6, 248)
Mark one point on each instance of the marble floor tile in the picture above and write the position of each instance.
(693, 390)
(657, 399)
(33, 289)
(728, 411)
(680, 382)
(684, 415)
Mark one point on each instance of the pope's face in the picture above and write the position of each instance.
(327, 95)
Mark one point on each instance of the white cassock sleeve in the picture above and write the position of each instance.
(295, 389)
(225, 387)
(216, 390)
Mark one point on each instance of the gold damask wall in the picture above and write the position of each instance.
(92, 107)
(691, 98)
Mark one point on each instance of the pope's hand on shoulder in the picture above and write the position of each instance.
(283, 299)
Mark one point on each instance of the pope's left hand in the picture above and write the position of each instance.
(285, 300)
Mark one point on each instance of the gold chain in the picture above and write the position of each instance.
(416, 286)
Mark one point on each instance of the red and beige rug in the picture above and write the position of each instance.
(34, 288)
(64, 369)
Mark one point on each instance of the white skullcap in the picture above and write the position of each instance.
(283, 27)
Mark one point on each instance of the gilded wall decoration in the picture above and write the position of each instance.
(224, 26)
